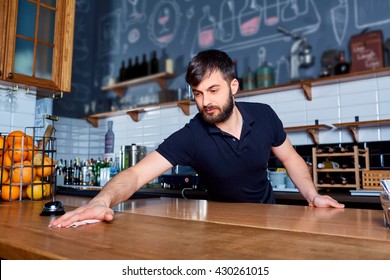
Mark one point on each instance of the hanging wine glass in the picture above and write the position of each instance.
(10, 101)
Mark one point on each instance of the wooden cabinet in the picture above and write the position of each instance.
(37, 44)
(354, 156)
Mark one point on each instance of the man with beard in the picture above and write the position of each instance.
(227, 143)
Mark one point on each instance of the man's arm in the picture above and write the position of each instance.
(300, 175)
(117, 190)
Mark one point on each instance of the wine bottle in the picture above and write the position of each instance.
(329, 179)
(341, 180)
(338, 149)
(122, 72)
(342, 67)
(327, 164)
(154, 67)
(136, 68)
(144, 67)
(129, 70)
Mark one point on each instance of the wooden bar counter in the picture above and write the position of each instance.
(177, 229)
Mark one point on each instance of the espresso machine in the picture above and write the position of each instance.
(300, 53)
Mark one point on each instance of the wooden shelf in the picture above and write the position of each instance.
(353, 127)
(119, 88)
(312, 130)
(307, 85)
(184, 105)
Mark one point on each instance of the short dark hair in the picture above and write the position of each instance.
(208, 61)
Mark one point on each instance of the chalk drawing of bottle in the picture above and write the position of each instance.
(271, 12)
(339, 16)
(226, 25)
(249, 18)
(206, 29)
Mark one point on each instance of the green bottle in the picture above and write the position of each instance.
(265, 75)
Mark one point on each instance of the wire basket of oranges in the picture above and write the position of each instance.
(27, 165)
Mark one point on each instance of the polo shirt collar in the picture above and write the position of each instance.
(247, 119)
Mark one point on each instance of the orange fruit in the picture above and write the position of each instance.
(3, 175)
(43, 169)
(10, 192)
(28, 140)
(3, 144)
(18, 152)
(15, 137)
(31, 149)
(37, 190)
(24, 174)
(7, 162)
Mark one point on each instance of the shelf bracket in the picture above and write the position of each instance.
(93, 121)
(119, 92)
(354, 129)
(314, 135)
(135, 114)
(184, 106)
(306, 87)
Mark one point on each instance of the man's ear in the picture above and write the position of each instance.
(234, 85)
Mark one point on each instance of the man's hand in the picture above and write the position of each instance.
(87, 212)
(325, 201)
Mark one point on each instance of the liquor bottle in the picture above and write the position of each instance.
(65, 173)
(122, 72)
(265, 75)
(248, 79)
(75, 173)
(69, 174)
(109, 139)
(59, 167)
(129, 70)
(154, 65)
(98, 167)
(342, 67)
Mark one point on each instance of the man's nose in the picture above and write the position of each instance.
(206, 99)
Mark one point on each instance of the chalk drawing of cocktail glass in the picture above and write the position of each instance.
(163, 19)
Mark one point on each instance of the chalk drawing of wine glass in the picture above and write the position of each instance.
(135, 13)
(163, 19)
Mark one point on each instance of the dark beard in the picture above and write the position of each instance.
(226, 112)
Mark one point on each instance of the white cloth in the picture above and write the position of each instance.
(80, 223)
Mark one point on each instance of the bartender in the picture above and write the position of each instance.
(228, 144)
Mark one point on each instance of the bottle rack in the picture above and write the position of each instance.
(356, 154)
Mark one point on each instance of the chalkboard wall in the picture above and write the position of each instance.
(109, 32)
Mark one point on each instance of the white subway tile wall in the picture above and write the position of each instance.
(368, 99)
(20, 115)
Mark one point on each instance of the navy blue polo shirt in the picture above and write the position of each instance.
(233, 170)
